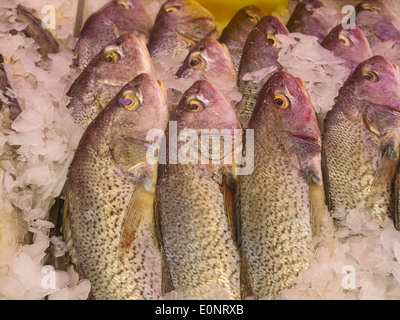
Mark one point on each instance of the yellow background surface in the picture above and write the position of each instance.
(224, 10)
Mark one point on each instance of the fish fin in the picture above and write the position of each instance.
(167, 285)
(228, 194)
(137, 208)
(325, 178)
(245, 286)
(396, 197)
(383, 175)
(317, 207)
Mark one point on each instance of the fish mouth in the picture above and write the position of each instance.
(311, 141)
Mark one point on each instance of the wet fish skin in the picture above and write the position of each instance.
(258, 53)
(361, 138)
(348, 44)
(101, 80)
(375, 20)
(274, 202)
(235, 33)
(109, 222)
(303, 20)
(196, 225)
(107, 24)
(179, 25)
(208, 60)
(14, 108)
(43, 37)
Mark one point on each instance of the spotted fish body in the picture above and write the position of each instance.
(361, 138)
(179, 25)
(349, 44)
(260, 52)
(108, 214)
(196, 225)
(119, 62)
(12, 105)
(274, 204)
(107, 24)
(235, 33)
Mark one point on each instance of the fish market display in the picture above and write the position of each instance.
(259, 62)
(275, 232)
(179, 25)
(43, 37)
(349, 44)
(235, 33)
(117, 64)
(243, 199)
(195, 200)
(312, 18)
(361, 139)
(109, 213)
(108, 23)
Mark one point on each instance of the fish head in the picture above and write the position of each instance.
(261, 48)
(122, 129)
(372, 92)
(187, 18)
(348, 44)
(207, 59)
(205, 112)
(242, 23)
(284, 105)
(374, 8)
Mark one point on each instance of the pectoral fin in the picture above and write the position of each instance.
(228, 194)
(396, 211)
(383, 176)
(167, 285)
(317, 207)
(140, 206)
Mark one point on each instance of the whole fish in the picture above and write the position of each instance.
(107, 24)
(349, 44)
(305, 19)
(208, 60)
(34, 29)
(361, 138)
(117, 64)
(109, 208)
(277, 205)
(195, 200)
(377, 20)
(7, 101)
(235, 33)
(260, 53)
(179, 25)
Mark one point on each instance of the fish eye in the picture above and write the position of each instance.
(310, 9)
(131, 100)
(345, 40)
(124, 4)
(272, 40)
(112, 55)
(198, 62)
(172, 9)
(370, 75)
(195, 105)
(368, 7)
(281, 101)
(251, 17)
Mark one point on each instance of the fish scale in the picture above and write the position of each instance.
(109, 221)
(351, 185)
(275, 228)
(101, 221)
(196, 202)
